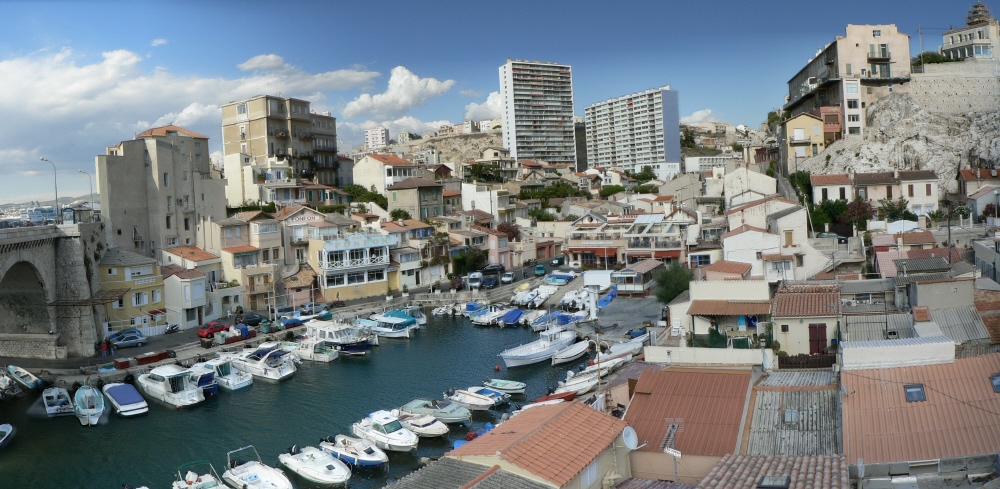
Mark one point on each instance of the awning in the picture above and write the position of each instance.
(601, 252)
(635, 254)
(667, 254)
(702, 307)
(157, 311)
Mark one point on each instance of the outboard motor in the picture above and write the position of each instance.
(75, 387)
(449, 392)
(129, 379)
(293, 450)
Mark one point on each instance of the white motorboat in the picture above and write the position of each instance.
(269, 361)
(387, 326)
(355, 451)
(171, 384)
(315, 350)
(580, 384)
(386, 432)
(316, 466)
(416, 312)
(531, 316)
(544, 292)
(125, 399)
(443, 410)
(551, 341)
(189, 478)
(343, 337)
(422, 425)
(7, 432)
(508, 386)
(491, 317)
(606, 366)
(622, 348)
(252, 473)
(470, 400)
(227, 376)
(570, 353)
(497, 396)
(88, 405)
(57, 402)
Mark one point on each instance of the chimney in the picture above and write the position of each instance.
(400, 223)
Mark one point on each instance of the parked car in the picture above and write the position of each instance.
(490, 282)
(495, 268)
(313, 308)
(250, 319)
(130, 340)
(559, 260)
(840, 239)
(210, 328)
(539, 269)
(283, 311)
(457, 283)
(118, 334)
(508, 278)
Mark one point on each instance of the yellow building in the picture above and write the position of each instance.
(143, 305)
(804, 137)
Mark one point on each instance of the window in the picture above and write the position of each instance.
(928, 189)
(843, 193)
(853, 130)
(185, 176)
(187, 224)
(876, 33)
(853, 118)
(118, 304)
(784, 328)
(851, 87)
(356, 278)
(852, 104)
(914, 392)
(776, 481)
(140, 299)
(815, 129)
(589, 475)
(241, 109)
(375, 275)
(815, 149)
(781, 265)
(909, 189)
(335, 280)
(995, 380)
(168, 222)
(274, 253)
(166, 180)
(229, 233)
(266, 255)
(888, 192)
(112, 271)
(156, 296)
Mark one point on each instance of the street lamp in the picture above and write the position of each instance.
(996, 202)
(56, 181)
(91, 179)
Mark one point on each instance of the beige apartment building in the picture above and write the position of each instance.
(419, 197)
(978, 38)
(251, 252)
(158, 190)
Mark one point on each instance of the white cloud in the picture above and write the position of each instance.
(30, 173)
(158, 42)
(405, 91)
(470, 93)
(190, 116)
(490, 109)
(703, 115)
(262, 62)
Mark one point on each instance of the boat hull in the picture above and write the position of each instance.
(506, 387)
(570, 353)
(258, 474)
(531, 356)
(316, 466)
(89, 405)
(24, 378)
(352, 456)
(126, 401)
(7, 432)
(235, 382)
(353, 348)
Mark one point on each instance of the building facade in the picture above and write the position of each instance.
(537, 100)
(979, 38)
(382, 171)
(158, 190)
(419, 197)
(352, 266)
(376, 138)
(634, 130)
(143, 305)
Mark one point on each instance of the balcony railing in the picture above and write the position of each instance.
(879, 55)
(354, 263)
(299, 240)
(144, 280)
(799, 140)
(651, 243)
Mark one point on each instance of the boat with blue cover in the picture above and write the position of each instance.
(545, 321)
(204, 378)
(355, 451)
(125, 399)
(511, 317)
(415, 312)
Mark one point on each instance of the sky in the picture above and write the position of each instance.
(76, 77)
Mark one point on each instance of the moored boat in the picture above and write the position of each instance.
(422, 425)
(355, 451)
(316, 466)
(386, 432)
(228, 377)
(570, 353)
(252, 473)
(170, 384)
(565, 396)
(189, 478)
(88, 405)
(497, 396)
(204, 378)
(125, 399)
(268, 361)
(387, 326)
(470, 400)
(550, 341)
(27, 379)
(580, 384)
(344, 338)
(57, 402)
(444, 410)
(7, 432)
(508, 386)
(315, 350)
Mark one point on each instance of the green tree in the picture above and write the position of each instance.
(894, 210)
(469, 261)
(541, 215)
(570, 217)
(513, 231)
(361, 194)
(835, 210)
(737, 148)
(330, 209)
(989, 211)
(936, 216)
(858, 212)
(610, 190)
(398, 214)
(687, 138)
(671, 282)
(556, 190)
(930, 57)
(819, 219)
(802, 182)
(644, 175)
(646, 188)
(483, 173)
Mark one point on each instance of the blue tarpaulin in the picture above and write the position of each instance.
(512, 316)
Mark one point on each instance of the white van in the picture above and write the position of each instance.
(475, 280)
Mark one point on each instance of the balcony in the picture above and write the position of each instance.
(356, 262)
(281, 134)
(797, 140)
(299, 240)
(879, 55)
(653, 244)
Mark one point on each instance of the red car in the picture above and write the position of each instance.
(210, 328)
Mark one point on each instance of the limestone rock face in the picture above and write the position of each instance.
(902, 135)
(457, 148)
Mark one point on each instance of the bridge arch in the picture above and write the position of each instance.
(24, 295)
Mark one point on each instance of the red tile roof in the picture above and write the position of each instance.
(241, 249)
(708, 307)
(806, 301)
(162, 131)
(740, 230)
(979, 174)
(451, 193)
(408, 224)
(413, 182)
(805, 471)
(182, 273)
(392, 160)
(711, 417)
(834, 179)
(663, 198)
(959, 417)
(757, 202)
(918, 237)
(726, 266)
(552, 442)
(192, 253)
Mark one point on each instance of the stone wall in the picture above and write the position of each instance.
(957, 88)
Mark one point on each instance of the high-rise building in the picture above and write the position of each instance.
(580, 130)
(635, 130)
(158, 190)
(538, 111)
(376, 138)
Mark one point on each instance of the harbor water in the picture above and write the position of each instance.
(322, 399)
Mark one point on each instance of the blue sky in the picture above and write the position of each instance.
(80, 76)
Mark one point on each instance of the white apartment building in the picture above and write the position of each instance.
(537, 100)
(158, 190)
(494, 199)
(382, 171)
(376, 138)
(635, 130)
(978, 38)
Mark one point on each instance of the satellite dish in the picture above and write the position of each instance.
(630, 438)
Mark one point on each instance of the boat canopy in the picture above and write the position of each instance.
(125, 394)
(473, 306)
(398, 317)
(512, 316)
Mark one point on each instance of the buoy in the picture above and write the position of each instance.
(496, 368)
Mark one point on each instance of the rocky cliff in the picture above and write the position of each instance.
(459, 147)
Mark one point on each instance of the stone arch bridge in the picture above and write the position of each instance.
(50, 297)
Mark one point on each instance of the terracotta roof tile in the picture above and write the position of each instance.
(978, 174)
(413, 182)
(711, 417)
(711, 307)
(805, 471)
(919, 237)
(241, 249)
(162, 131)
(884, 240)
(392, 160)
(408, 224)
(776, 257)
(958, 418)
(451, 193)
(806, 301)
(182, 273)
(760, 202)
(726, 266)
(552, 442)
(740, 230)
(192, 253)
(834, 179)
(663, 198)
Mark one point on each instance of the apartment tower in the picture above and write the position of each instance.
(376, 138)
(635, 130)
(538, 111)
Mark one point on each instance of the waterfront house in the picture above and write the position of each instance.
(805, 318)
(727, 270)
(352, 266)
(740, 306)
(382, 171)
(636, 278)
(420, 198)
(185, 295)
(223, 294)
(142, 306)
(837, 186)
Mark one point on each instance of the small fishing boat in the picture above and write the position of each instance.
(188, 478)
(507, 386)
(269, 361)
(491, 317)
(315, 350)
(125, 399)
(623, 348)
(228, 377)
(473, 307)
(24, 377)
(580, 384)
(444, 410)
(445, 310)
(170, 384)
(570, 353)
(57, 402)
(498, 397)
(385, 431)
(557, 281)
(472, 401)
(543, 321)
(415, 312)
(7, 432)
(423, 425)
(550, 341)
(565, 396)
(252, 473)
(543, 294)
(606, 366)
(88, 405)
(354, 451)
(316, 466)
(347, 340)
(387, 327)
(204, 378)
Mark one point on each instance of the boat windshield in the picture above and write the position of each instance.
(392, 427)
(223, 369)
(177, 384)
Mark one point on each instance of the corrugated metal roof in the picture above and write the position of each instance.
(863, 308)
(711, 417)
(797, 379)
(920, 265)
(920, 277)
(961, 324)
(916, 340)
(875, 326)
(867, 286)
(816, 430)
(959, 417)
(706, 307)
(806, 472)
(644, 266)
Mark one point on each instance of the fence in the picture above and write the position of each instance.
(808, 361)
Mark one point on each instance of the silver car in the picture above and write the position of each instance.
(313, 308)
(130, 340)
